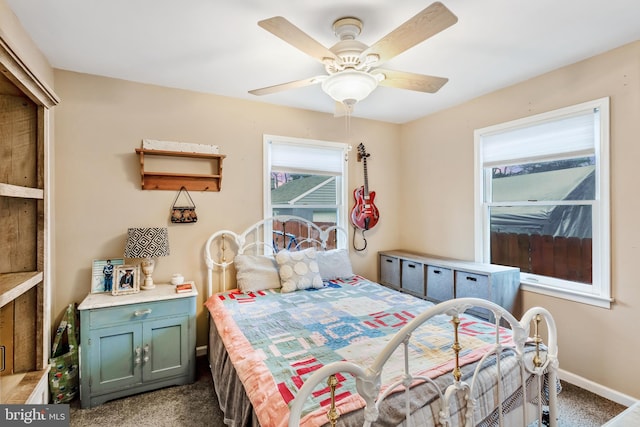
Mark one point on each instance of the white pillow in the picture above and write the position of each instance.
(256, 272)
(298, 270)
(334, 264)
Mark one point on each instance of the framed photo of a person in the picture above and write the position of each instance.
(102, 274)
(126, 280)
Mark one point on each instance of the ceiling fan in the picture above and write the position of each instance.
(351, 66)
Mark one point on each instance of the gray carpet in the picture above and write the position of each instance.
(192, 405)
(580, 408)
(196, 405)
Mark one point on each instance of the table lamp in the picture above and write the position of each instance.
(147, 243)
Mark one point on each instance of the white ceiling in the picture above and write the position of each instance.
(216, 46)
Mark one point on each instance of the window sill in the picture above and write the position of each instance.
(579, 297)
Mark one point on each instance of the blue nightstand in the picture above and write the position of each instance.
(136, 343)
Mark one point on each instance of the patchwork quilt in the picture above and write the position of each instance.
(276, 341)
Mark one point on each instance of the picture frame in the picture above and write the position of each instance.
(126, 279)
(100, 282)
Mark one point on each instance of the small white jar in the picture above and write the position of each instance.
(177, 279)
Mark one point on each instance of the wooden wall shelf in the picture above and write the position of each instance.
(152, 180)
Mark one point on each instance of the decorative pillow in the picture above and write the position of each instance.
(298, 270)
(256, 272)
(334, 264)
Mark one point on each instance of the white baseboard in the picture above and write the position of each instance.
(201, 351)
(596, 388)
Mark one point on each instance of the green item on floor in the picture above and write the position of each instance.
(63, 375)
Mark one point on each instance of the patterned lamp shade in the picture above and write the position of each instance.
(147, 242)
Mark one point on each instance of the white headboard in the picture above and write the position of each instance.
(267, 237)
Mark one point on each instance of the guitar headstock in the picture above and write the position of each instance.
(362, 152)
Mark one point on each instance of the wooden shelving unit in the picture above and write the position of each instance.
(25, 313)
(152, 180)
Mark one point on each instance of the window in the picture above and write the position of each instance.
(306, 178)
(542, 200)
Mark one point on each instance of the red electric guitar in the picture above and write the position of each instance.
(364, 214)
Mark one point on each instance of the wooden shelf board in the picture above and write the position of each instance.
(177, 181)
(9, 190)
(8, 385)
(181, 175)
(180, 154)
(12, 285)
(18, 388)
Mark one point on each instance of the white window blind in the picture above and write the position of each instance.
(325, 158)
(573, 135)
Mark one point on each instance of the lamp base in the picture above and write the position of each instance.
(147, 284)
(147, 269)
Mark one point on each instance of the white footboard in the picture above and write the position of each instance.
(537, 363)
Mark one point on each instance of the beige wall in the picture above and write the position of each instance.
(437, 156)
(101, 121)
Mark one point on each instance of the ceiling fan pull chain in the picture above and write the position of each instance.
(348, 121)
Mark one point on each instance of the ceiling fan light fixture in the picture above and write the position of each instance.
(350, 86)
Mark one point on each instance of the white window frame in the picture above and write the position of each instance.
(311, 168)
(599, 292)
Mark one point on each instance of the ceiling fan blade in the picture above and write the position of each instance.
(286, 86)
(425, 24)
(293, 35)
(411, 81)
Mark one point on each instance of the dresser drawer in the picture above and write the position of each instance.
(413, 277)
(439, 283)
(390, 271)
(102, 317)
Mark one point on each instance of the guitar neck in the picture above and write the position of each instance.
(366, 178)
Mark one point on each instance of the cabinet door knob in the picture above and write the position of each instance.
(146, 353)
(139, 313)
